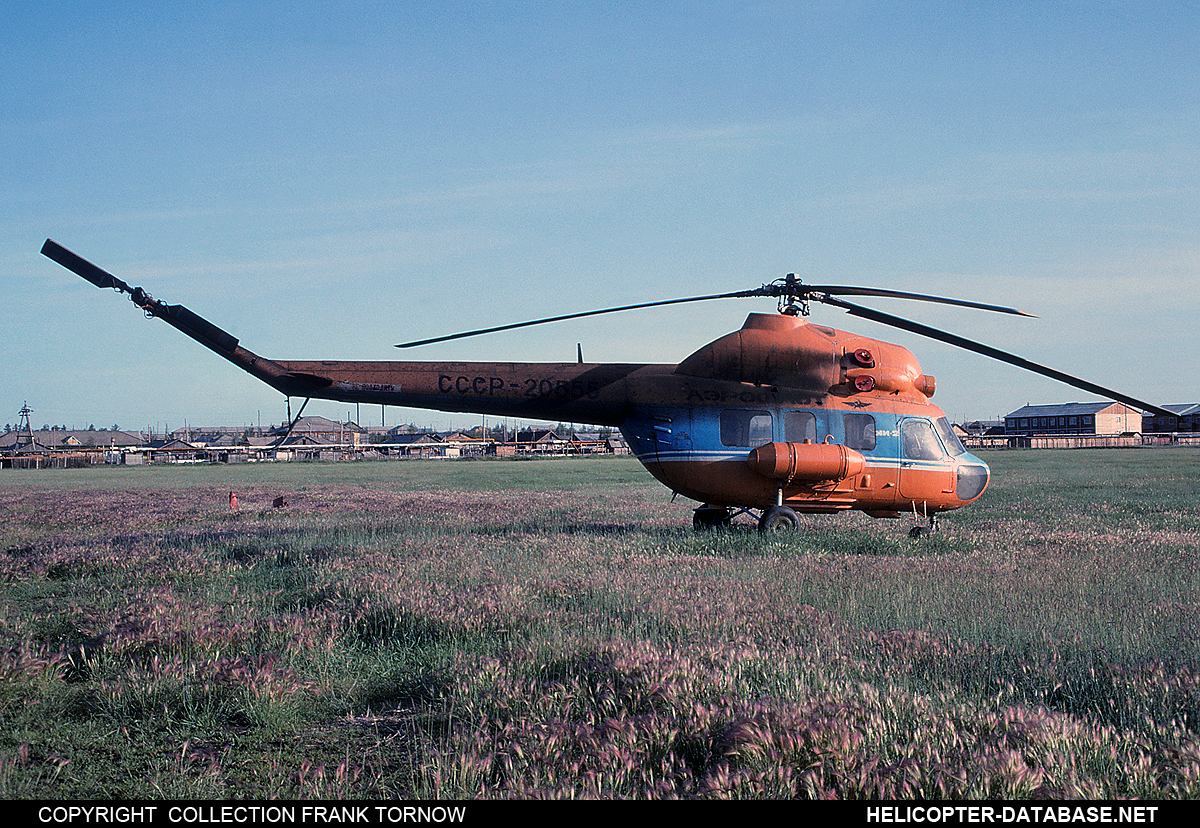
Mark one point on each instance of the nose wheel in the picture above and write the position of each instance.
(924, 531)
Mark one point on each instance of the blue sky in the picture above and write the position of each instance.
(324, 180)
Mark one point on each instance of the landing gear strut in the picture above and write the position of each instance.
(777, 518)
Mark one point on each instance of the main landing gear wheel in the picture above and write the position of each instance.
(711, 517)
(778, 519)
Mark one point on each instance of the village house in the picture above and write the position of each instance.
(1186, 419)
(1074, 418)
(321, 431)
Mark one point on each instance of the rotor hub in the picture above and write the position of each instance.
(793, 295)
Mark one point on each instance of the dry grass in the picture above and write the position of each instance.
(556, 629)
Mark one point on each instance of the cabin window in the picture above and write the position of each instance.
(920, 443)
(742, 429)
(799, 426)
(860, 432)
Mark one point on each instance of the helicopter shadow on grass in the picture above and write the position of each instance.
(817, 538)
(653, 537)
(552, 527)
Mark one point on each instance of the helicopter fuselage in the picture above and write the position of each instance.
(781, 413)
(847, 423)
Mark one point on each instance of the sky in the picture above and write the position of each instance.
(325, 179)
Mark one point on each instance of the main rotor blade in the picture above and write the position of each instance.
(465, 334)
(789, 287)
(995, 353)
(843, 290)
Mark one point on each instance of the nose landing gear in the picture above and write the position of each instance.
(922, 531)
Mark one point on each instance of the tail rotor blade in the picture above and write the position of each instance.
(82, 267)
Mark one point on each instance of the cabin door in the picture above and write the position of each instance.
(926, 472)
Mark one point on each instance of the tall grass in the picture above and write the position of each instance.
(556, 629)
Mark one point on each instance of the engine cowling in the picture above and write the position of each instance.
(806, 461)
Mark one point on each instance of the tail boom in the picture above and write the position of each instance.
(575, 392)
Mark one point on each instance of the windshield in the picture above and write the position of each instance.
(949, 438)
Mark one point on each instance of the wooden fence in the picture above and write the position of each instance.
(1075, 441)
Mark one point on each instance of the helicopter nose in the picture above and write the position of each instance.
(972, 480)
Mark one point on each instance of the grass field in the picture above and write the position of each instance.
(555, 628)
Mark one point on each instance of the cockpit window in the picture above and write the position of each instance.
(949, 438)
(920, 443)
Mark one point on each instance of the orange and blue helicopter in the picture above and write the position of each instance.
(779, 418)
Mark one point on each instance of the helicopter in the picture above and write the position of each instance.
(780, 418)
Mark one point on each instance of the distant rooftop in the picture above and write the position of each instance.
(74, 437)
(1071, 409)
(1184, 409)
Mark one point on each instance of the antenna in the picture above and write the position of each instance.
(23, 426)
